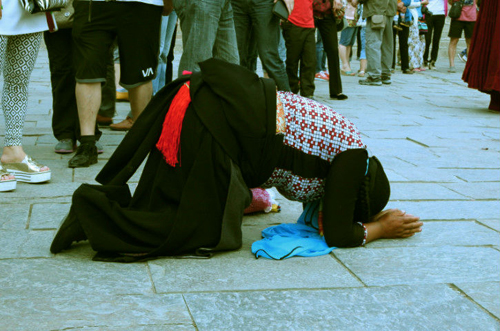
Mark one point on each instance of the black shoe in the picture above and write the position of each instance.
(386, 79)
(86, 154)
(408, 72)
(340, 96)
(69, 231)
(371, 81)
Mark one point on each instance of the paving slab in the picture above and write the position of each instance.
(485, 294)
(13, 216)
(61, 276)
(477, 175)
(477, 191)
(442, 234)
(449, 210)
(48, 215)
(431, 307)
(231, 271)
(425, 191)
(96, 311)
(421, 265)
(25, 244)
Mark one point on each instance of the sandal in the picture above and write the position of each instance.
(347, 73)
(361, 74)
(7, 181)
(28, 170)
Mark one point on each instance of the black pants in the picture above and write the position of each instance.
(435, 24)
(65, 123)
(328, 30)
(300, 49)
(403, 46)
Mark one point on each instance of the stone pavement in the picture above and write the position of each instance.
(440, 147)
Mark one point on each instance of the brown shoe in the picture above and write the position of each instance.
(104, 121)
(124, 125)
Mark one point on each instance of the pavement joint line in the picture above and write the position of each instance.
(29, 217)
(332, 254)
(458, 289)
(417, 142)
(153, 286)
(485, 225)
(189, 312)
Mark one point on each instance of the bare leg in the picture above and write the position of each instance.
(467, 41)
(344, 57)
(88, 101)
(452, 50)
(362, 65)
(140, 97)
(13, 154)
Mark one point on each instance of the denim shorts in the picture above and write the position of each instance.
(348, 36)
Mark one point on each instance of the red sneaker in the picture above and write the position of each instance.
(322, 76)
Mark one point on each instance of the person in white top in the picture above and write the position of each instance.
(436, 13)
(20, 37)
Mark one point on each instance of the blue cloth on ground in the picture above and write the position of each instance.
(299, 239)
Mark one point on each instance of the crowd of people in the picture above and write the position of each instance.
(82, 57)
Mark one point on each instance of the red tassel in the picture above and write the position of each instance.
(170, 139)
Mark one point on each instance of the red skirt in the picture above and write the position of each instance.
(482, 71)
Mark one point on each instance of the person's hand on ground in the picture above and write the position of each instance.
(395, 223)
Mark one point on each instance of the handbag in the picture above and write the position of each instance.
(378, 22)
(456, 9)
(321, 8)
(37, 6)
(280, 10)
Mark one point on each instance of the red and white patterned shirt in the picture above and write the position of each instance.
(317, 130)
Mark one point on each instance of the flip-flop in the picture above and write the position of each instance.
(347, 73)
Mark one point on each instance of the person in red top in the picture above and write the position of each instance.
(300, 43)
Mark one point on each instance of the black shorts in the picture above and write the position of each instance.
(135, 26)
(457, 26)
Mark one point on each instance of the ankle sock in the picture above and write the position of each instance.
(87, 139)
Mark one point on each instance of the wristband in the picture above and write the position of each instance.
(365, 233)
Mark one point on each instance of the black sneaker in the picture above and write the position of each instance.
(408, 72)
(386, 79)
(371, 81)
(86, 154)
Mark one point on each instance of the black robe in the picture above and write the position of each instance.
(228, 144)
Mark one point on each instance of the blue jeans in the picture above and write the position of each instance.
(257, 15)
(320, 54)
(362, 54)
(207, 31)
(166, 33)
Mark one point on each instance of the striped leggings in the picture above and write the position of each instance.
(17, 59)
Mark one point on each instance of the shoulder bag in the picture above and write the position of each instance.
(378, 22)
(456, 9)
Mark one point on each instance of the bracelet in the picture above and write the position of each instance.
(365, 233)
